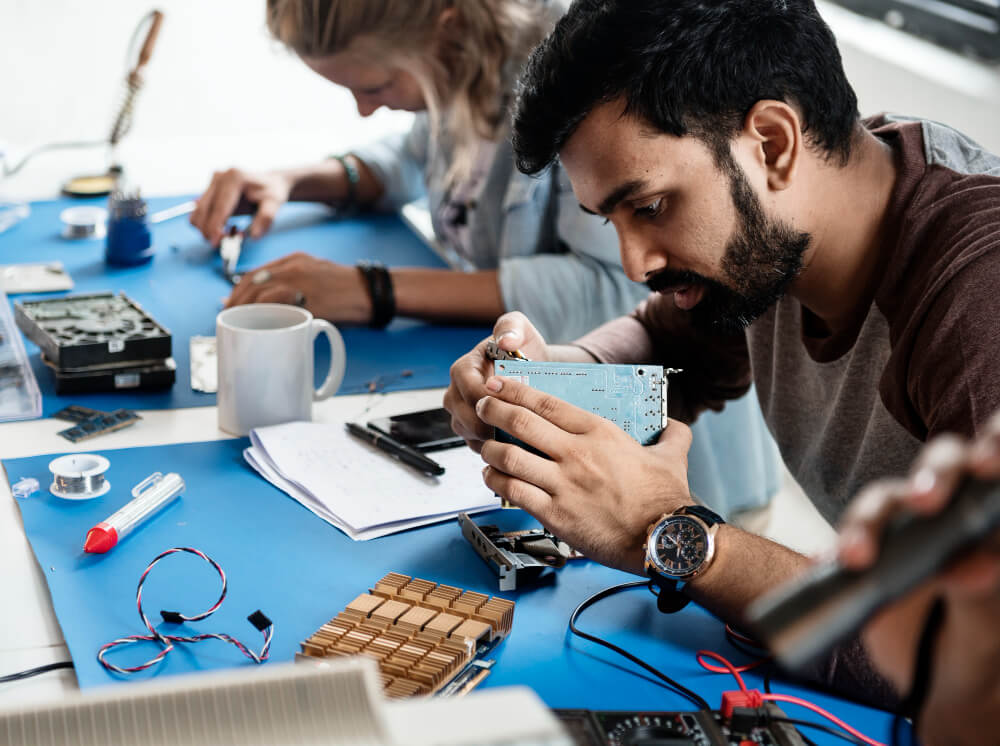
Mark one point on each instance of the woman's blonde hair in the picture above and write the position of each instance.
(462, 66)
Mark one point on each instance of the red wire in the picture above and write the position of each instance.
(735, 670)
(820, 711)
(730, 668)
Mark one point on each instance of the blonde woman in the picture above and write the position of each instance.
(523, 242)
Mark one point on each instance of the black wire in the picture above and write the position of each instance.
(35, 671)
(745, 648)
(818, 726)
(688, 694)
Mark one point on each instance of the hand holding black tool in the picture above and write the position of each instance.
(805, 618)
(409, 456)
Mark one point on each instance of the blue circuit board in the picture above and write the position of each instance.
(634, 397)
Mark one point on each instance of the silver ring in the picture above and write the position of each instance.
(300, 299)
(260, 277)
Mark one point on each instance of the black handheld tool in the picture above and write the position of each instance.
(806, 617)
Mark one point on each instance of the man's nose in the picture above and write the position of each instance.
(640, 258)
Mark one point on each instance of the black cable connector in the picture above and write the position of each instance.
(174, 617)
(259, 620)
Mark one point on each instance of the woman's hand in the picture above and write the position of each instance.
(330, 291)
(233, 192)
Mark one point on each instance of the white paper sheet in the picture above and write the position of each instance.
(359, 489)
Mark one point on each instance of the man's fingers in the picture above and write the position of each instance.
(993, 425)
(936, 473)
(467, 375)
(676, 437)
(509, 330)
(523, 424)
(549, 408)
(984, 456)
(864, 519)
(466, 423)
(517, 492)
(521, 464)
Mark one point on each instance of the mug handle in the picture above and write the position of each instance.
(338, 359)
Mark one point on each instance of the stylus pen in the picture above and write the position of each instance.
(409, 456)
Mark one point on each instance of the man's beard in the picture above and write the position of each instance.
(759, 264)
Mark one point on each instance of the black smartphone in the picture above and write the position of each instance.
(429, 430)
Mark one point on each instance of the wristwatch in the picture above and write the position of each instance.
(679, 546)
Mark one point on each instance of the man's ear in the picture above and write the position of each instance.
(775, 130)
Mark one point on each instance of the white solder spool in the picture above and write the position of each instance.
(79, 476)
(84, 222)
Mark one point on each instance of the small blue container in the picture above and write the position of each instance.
(129, 241)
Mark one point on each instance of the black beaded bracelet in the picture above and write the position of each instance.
(380, 289)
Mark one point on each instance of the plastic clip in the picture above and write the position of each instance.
(147, 483)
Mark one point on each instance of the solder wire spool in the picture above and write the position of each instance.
(84, 222)
(79, 476)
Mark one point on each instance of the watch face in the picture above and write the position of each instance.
(678, 546)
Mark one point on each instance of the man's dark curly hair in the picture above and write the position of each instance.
(685, 67)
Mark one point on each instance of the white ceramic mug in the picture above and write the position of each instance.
(265, 359)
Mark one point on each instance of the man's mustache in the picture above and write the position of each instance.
(667, 279)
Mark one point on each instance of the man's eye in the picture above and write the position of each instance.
(651, 210)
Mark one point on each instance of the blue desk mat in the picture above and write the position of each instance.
(300, 572)
(183, 286)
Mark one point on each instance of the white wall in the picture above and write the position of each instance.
(219, 92)
(894, 71)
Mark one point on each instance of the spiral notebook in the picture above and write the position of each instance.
(358, 488)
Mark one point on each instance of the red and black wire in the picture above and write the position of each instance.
(166, 641)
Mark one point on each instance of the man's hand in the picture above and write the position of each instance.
(329, 291)
(963, 701)
(234, 191)
(600, 489)
(512, 331)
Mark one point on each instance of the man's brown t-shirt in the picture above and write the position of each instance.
(851, 408)
(925, 359)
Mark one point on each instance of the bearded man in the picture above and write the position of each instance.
(848, 267)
